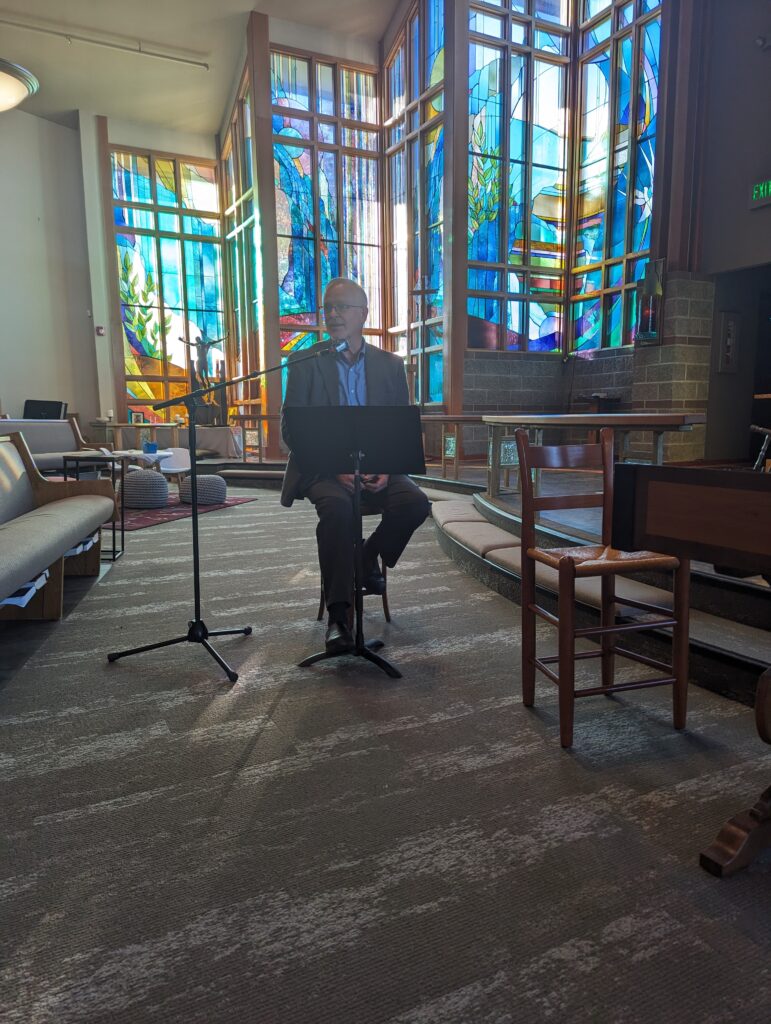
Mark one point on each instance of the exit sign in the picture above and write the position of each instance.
(760, 194)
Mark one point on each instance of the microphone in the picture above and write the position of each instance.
(334, 347)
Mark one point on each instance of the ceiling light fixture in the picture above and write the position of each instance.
(16, 84)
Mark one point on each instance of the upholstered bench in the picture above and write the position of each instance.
(43, 525)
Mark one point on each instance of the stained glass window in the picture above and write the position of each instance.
(617, 151)
(327, 201)
(169, 271)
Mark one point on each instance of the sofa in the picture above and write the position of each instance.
(49, 440)
(47, 529)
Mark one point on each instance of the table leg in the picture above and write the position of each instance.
(443, 442)
(658, 447)
(495, 436)
(745, 836)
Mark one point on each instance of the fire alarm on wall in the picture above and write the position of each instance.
(100, 331)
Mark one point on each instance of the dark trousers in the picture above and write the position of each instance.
(403, 506)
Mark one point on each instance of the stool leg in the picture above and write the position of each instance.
(322, 603)
(681, 603)
(386, 609)
(607, 618)
(566, 629)
(528, 630)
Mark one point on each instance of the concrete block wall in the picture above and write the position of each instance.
(674, 375)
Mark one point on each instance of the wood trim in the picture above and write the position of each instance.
(47, 604)
(455, 202)
(258, 62)
(116, 323)
(162, 154)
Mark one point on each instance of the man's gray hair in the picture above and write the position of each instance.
(347, 280)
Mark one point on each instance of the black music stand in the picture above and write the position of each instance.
(330, 440)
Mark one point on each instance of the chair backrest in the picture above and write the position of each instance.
(16, 494)
(44, 435)
(573, 457)
(178, 463)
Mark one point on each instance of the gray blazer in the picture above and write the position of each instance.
(315, 382)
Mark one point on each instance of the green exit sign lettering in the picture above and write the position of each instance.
(760, 194)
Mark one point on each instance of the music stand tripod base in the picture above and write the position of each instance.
(365, 650)
(197, 633)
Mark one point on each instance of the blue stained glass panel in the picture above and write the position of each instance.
(550, 42)
(519, 33)
(547, 220)
(484, 317)
(516, 246)
(484, 214)
(556, 11)
(131, 178)
(329, 254)
(583, 284)
(203, 275)
(171, 273)
(293, 183)
(327, 132)
(598, 34)
(358, 99)
(518, 122)
(362, 264)
(484, 280)
(297, 281)
(435, 374)
(415, 89)
(396, 84)
(592, 7)
(544, 326)
(327, 186)
(485, 24)
(361, 204)
(325, 89)
(626, 15)
(291, 127)
(434, 178)
(199, 187)
(638, 270)
(129, 217)
(619, 190)
(434, 42)
(549, 136)
(650, 5)
(595, 115)
(615, 274)
(646, 135)
(515, 327)
(289, 81)
(587, 324)
(485, 99)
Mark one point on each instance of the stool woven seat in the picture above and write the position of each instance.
(145, 489)
(212, 490)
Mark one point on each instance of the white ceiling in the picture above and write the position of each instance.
(130, 87)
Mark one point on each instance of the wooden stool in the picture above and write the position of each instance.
(386, 610)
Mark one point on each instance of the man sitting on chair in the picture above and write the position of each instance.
(361, 375)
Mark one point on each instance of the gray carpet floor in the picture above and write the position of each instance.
(328, 845)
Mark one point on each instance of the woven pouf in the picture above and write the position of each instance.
(212, 490)
(145, 489)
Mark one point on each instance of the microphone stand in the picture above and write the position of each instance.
(197, 631)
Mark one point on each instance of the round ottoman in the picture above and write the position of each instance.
(145, 489)
(212, 490)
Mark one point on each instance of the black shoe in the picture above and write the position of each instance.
(372, 581)
(338, 638)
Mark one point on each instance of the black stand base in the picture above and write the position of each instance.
(366, 650)
(197, 634)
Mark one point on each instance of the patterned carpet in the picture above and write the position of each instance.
(141, 518)
(327, 845)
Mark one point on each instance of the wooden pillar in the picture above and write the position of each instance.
(455, 202)
(258, 62)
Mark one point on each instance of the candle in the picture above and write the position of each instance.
(109, 414)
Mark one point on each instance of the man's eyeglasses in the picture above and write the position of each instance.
(340, 307)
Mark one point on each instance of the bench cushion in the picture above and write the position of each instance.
(16, 495)
(34, 540)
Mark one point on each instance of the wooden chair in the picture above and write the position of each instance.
(586, 561)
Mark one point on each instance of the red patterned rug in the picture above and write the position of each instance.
(141, 518)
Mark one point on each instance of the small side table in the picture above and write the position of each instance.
(80, 462)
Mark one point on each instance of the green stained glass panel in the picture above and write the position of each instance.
(435, 377)
(203, 275)
(614, 325)
(587, 324)
(593, 172)
(485, 99)
(297, 281)
(646, 134)
(327, 189)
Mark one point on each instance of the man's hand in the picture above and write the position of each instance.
(346, 480)
(375, 483)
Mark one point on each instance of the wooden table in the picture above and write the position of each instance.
(715, 516)
(502, 446)
(451, 446)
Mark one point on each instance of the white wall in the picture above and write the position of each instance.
(325, 42)
(163, 140)
(46, 331)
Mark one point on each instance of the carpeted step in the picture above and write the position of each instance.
(481, 537)
(457, 511)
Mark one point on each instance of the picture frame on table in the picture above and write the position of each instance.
(136, 417)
